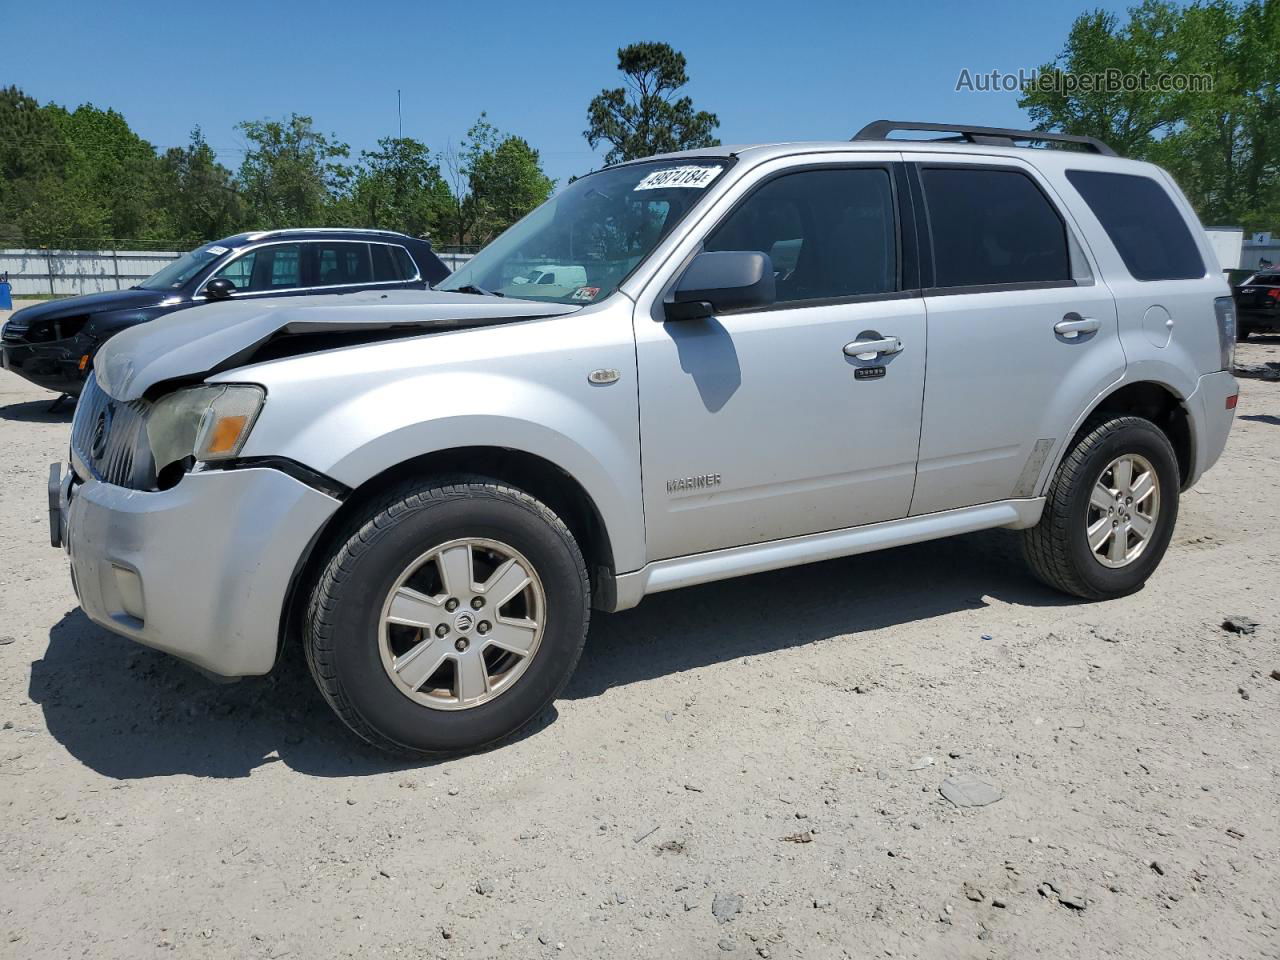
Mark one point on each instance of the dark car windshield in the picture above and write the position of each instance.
(1269, 279)
(175, 275)
(579, 245)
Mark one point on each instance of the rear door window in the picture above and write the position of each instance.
(993, 227)
(1148, 231)
(385, 268)
(341, 263)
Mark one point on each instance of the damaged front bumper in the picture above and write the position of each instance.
(60, 365)
(200, 570)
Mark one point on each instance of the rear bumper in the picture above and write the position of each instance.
(1211, 419)
(199, 571)
(1253, 319)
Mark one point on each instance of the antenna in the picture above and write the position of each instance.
(399, 116)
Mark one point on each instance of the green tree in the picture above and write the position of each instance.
(291, 172)
(496, 179)
(31, 149)
(56, 212)
(114, 168)
(1221, 144)
(199, 194)
(1226, 152)
(644, 117)
(397, 187)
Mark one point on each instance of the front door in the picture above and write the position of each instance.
(760, 425)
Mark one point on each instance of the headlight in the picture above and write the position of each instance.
(208, 423)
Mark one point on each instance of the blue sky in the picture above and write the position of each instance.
(772, 71)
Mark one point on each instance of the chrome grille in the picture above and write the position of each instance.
(109, 438)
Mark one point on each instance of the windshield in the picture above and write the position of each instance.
(175, 275)
(579, 245)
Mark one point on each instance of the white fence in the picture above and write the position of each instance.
(65, 273)
(69, 272)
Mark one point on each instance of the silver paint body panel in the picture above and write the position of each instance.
(199, 571)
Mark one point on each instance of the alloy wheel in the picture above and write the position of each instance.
(1124, 506)
(462, 623)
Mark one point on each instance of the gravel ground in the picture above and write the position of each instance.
(745, 769)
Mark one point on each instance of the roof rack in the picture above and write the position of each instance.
(370, 230)
(991, 136)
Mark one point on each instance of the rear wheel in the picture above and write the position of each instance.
(1109, 513)
(448, 617)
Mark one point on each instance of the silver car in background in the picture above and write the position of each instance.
(745, 358)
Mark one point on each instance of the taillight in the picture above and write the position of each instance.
(1274, 293)
(1224, 309)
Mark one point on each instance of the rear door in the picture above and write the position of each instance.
(1021, 336)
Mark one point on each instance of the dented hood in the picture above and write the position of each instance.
(221, 335)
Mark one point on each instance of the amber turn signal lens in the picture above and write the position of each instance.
(84, 362)
(225, 434)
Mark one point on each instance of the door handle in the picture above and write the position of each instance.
(1072, 325)
(870, 349)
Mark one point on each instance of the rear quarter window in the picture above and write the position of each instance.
(1149, 233)
(408, 269)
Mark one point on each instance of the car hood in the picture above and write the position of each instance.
(88, 303)
(223, 335)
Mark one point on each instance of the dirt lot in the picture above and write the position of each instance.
(737, 770)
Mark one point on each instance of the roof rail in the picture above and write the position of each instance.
(992, 136)
(370, 230)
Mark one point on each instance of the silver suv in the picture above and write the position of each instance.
(745, 358)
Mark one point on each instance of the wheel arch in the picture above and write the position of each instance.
(1152, 400)
(533, 474)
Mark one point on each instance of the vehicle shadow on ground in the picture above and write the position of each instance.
(39, 411)
(686, 629)
(128, 712)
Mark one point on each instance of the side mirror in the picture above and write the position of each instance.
(722, 282)
(219, 288)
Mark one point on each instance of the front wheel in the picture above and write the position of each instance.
(1109, 513)
(448, 616)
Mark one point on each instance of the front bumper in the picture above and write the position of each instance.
(54, 365)
(1211, 419)
(199, 571)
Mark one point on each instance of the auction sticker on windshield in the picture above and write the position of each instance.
(695, 177)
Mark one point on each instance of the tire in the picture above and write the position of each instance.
(1242, 333)
(1058, 549)
(350, 648)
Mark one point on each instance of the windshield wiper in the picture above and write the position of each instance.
(480, 291)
